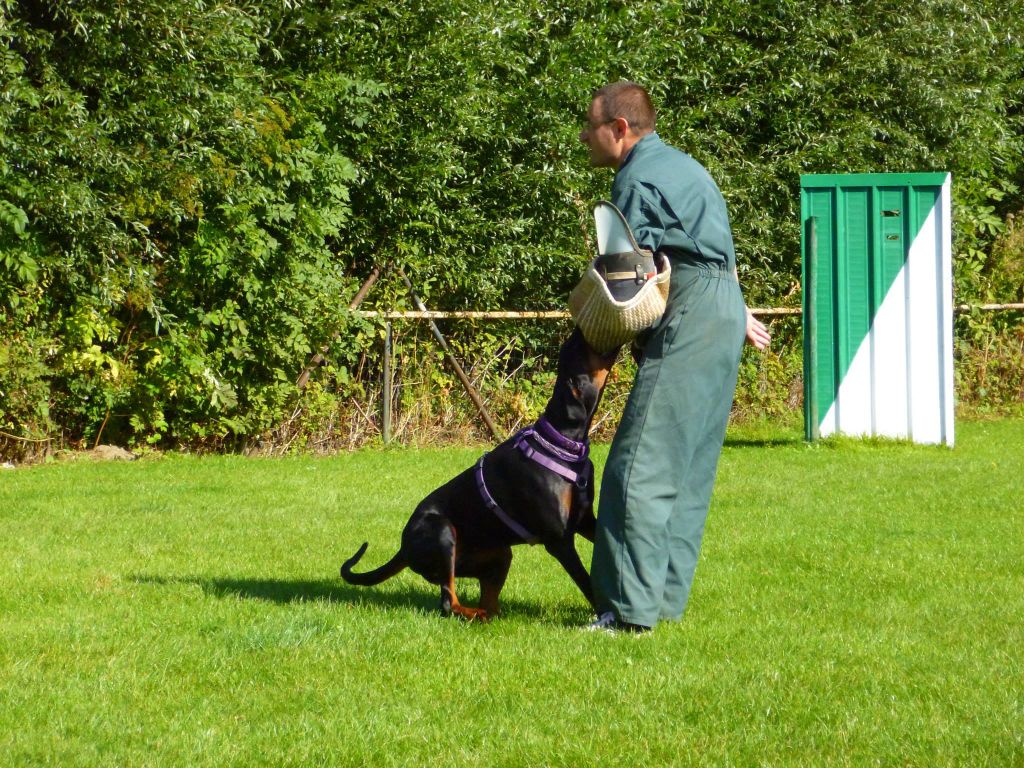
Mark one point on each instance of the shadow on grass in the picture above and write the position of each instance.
(766, 442)
(283, 592)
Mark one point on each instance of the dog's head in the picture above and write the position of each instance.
(582, 374)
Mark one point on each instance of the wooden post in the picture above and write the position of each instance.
(466, 384)
(319, 357)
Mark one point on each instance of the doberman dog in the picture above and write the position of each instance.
(537, 486)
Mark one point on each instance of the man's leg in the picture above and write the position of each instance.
(718, 315)
(662, 427)
(636, 501)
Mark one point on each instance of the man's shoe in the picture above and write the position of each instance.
(609, 622)
(604, 623)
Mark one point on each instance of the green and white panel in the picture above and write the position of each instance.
(878, 310)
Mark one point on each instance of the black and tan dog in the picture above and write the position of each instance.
(536, 487)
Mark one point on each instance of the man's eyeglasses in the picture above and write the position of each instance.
(589, 126)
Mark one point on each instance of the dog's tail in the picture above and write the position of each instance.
(377, 575)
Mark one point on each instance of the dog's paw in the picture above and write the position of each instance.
(472, 614)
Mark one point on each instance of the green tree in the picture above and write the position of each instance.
(190, 192)
(168, 190)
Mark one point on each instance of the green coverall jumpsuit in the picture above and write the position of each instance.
(657, 482)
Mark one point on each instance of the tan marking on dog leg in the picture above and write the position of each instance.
(458, 608)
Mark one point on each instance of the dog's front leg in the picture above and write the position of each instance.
(583, 505)
(493, 573)
(587, 524)
(564, 551)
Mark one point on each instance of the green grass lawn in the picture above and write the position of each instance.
(856, 604)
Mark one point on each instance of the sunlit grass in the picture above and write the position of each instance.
(856, 604)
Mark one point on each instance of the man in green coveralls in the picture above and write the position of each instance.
(661, 469)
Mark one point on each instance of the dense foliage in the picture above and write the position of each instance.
(190, 193)
(168, 200)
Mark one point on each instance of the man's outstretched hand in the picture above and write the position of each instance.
(757, 334)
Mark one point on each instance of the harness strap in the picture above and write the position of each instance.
(492, 505)
(552, 448)
(638, 276)
(538, 457)
(579, 450)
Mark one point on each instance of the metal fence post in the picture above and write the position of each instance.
(387, 397)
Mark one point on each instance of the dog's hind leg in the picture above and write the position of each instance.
(450, 603)
(439, 568)
(490, 567)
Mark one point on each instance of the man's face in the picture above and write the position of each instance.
(599, 135)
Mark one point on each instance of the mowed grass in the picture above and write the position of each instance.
(856, 604)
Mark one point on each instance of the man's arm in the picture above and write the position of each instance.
(758, 335)
(641, 215)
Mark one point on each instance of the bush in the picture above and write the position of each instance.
(167, 200)
(190, 193)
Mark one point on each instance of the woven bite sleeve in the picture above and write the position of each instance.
(607, 323)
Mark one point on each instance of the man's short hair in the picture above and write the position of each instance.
(628, 100)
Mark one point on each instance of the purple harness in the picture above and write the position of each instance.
(544, 445)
